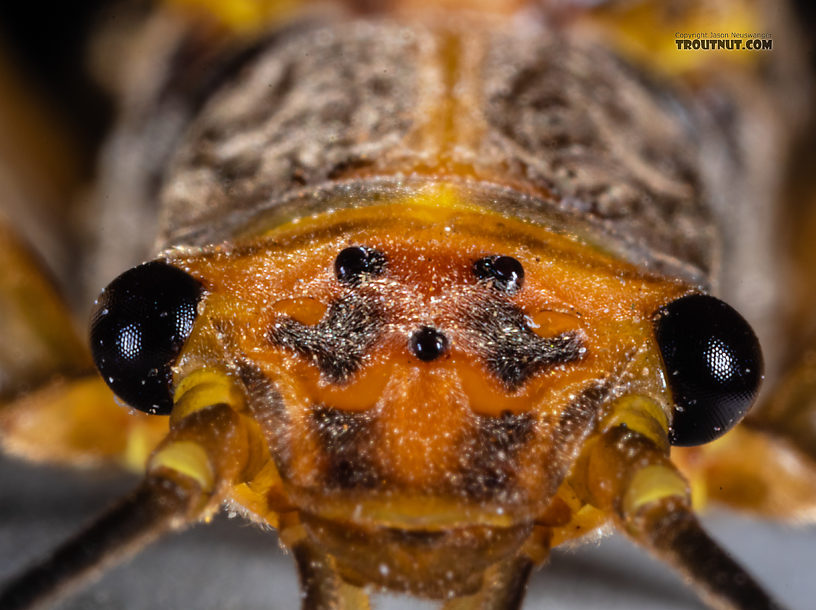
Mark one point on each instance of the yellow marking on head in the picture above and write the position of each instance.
(202, 389)
(439, 195)
(255, 504)
(552, 323)
(353, 597)
(586, 520)
(651, 484)
(304, 310)
(435, 205)
(263, 496)
(291, 531)
(187, 458)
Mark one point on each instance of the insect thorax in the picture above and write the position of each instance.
(530, 121)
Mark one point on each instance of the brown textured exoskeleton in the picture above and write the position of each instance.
(432, 294)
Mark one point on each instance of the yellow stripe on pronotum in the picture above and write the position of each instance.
(240, 16)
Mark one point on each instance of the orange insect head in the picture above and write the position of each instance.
(423, 365)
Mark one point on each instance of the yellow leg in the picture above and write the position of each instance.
(53, 405)
(77, 422)
(192, 471)
(754, 471)
(790, 411)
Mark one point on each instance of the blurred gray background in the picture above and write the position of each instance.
(230, 564)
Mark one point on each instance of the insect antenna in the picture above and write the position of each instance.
(630, 474)
(157, 506)
(207, 450)
(671, 531)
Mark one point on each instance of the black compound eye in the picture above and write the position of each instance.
(505, 271)
(714, 366)
(352, 264)
(138, 327)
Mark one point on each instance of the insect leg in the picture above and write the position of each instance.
(670, 530)
(504, 588)
(756, 469)
(76, 421)
(320, 584)
(767, 465)
(37, 335)
(53, 405)
(153, 509)
(209, 448)
(790, 410)
(627, 472)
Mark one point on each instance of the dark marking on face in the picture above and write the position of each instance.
(267, 408)
(338, 343)
(489, 464)
(513, 352)
(579, 413)
(346, 442)
(577, 421)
